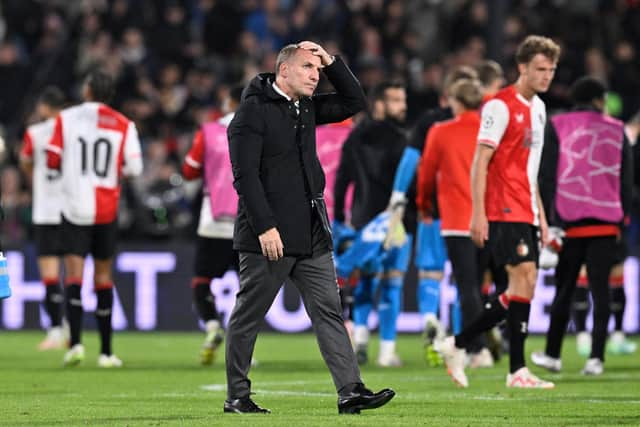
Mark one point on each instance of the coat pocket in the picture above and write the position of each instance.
(321, 209)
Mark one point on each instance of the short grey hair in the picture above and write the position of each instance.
(284, 55)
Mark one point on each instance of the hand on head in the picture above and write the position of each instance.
(317, 50)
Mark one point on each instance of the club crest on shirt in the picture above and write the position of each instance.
(522, 249)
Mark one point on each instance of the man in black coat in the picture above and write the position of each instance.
(282, 230)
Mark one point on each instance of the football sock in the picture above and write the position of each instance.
(428, 295)
(53, 301)
(363, 299)
(389, 307)
(580, 308)
(456, 316)
(103, 317)
(518, 324)
(494, 312)
(203, 299)
(618, 303)
(74, 311)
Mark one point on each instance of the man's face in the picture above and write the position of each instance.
(301, 73)
(395, 104)
(538, 73)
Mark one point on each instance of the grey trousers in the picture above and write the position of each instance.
(260, 280)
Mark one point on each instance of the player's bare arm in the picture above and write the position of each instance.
(479, 224)
(544, 226)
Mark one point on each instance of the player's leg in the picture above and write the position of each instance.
(47, 242)
(501, 251)
(494, 282)
(581, 307)
(363, 295)
(618, 304)
(213, 258)
(390, 302)
(463, 257)
(430, 257)
(523, 272)
(49, 267)
(75, 251)
(618, 342)
(569, 263)
(600, 259)
(103, 250)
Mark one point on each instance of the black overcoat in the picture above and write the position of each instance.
(275, 164)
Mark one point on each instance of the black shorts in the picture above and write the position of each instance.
(48, 239)
(99, 240)
(214, 257)
(512, 243)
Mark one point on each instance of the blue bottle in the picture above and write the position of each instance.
(5, 290)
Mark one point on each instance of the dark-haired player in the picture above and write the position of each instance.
(46, 212)
(93, 145)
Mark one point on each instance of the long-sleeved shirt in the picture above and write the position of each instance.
(446, 164)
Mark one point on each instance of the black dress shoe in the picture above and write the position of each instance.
(243, 406)
(363, 398)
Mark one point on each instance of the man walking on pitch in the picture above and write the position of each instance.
(507, 210)
(282, 229)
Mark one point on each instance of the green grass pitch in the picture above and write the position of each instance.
(162, 384)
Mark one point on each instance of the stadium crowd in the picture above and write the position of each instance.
(175, 60)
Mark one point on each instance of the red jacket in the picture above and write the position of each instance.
(446, 164)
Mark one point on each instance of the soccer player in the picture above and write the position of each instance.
(93, 145)
(209, 158)
(369, 156)
(507, 209)
(446, 163)
(491, 78)
(590, 197)
(430, 255)
(46, 210)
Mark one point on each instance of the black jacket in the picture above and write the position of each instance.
(369, 159)
(275, 164)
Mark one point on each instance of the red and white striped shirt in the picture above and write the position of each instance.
(47, 185)
(513, 126)
(93, 145)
